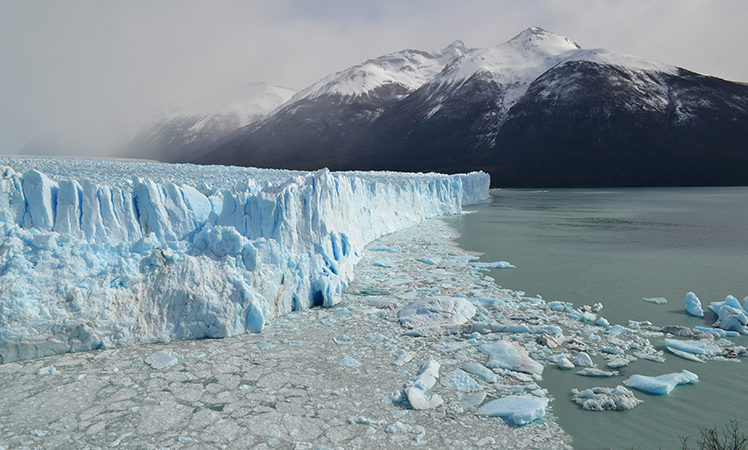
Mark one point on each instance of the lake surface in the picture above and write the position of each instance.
(617, 247)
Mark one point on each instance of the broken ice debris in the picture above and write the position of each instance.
(162, 359)
(656, 300)
(517, 409)
(717, 332)
(402, 358)
(433, 261)
(693, 305)
(509, 355)
(492, 265)
(418, 388)
(590, 372)
(663, 384)
(605, 399)
(583, 359)
(47, 371)
(481, 371)
(347, 361)
(436, 315)
(384, 262)
(700, 348)
(458, 380)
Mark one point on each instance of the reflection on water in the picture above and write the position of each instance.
(618, 246)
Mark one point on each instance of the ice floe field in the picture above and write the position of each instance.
(158, 306)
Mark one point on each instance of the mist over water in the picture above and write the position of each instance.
(616, 247)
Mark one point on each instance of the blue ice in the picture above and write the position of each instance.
(662, 384)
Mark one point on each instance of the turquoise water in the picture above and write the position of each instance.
(616, 247)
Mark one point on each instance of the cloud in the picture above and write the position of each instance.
(91, 70)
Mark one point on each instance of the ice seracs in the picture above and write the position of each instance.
(99, 254)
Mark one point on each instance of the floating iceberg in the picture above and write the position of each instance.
(99, 254)
(731, 315)
(593, 372)
(517, 409)
(693, 305)
(663, 384)
(606, 399)
(701, 348)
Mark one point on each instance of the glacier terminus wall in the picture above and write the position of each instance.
(98, 254)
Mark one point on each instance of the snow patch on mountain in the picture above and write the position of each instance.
(408, 69)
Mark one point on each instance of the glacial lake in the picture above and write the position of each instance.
(617, 247)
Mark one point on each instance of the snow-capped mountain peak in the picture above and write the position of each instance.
(407, 70)
(536, 39)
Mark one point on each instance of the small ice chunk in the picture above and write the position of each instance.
(663, 384)
(402, 358)
(347, 361)
(399, 427)
(473, 400)
(693, 347)
(612, 350)
(436, 315)
(422, 398)
(656, 300)
(433, 261)
(511, 356)
(603, 322)
(493, 265)
(717, 332)
(557, 306)
(583, 360)
(693, 305)
(617, 330)
(481, 371)
(47, 371)
(342, 340)
(606, 399)
(417, 389)
(565, 364)
(685, 355)
(618, 362)
(516, 409)
(650, 357)
(162, 359)
(458, 380)
(591, 372)
(384, 262)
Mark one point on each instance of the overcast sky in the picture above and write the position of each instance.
(91, 71)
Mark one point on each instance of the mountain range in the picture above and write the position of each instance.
(536, 111)
(191, 132)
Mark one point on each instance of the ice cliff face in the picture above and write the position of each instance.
(97, 254)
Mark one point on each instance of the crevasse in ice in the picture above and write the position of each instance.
(97, 254)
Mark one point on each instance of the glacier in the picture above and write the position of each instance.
(100, 254)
